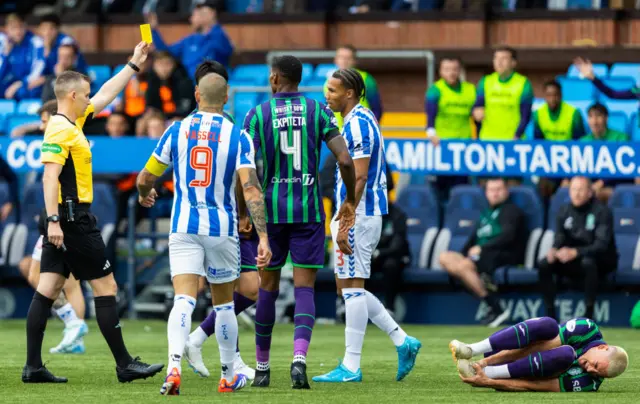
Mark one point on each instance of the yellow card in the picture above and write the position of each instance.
(145, 31)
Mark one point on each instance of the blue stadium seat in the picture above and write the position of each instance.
(634, 127)
(26, 233)
(529, 131)
(322, 70)
(626, 70)
(575, 89)
(575, 4)
(616, 83)
(316, 95)
(7, 227)
(104, 207)
(29, 106)
(583, 107)
(244, 6)
(7, 107)
(625, 204)
(242, 103)
(462, 211)
(423, 221)
(560, 198)
(99, 74)
(13, 121)
(258, 74)
(307, 71)
(527, 199)
(117, 69)
(629, 108)
(618, 121)
(599, 69)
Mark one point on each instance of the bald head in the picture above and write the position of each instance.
(212, 90)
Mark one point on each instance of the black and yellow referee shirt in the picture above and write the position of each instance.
(65, 144)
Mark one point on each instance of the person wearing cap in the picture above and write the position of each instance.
(209, 41)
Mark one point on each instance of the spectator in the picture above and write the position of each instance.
(21, 60)
(448, 105)
(583, 249)
(346, 58)
(117, 125)
(66, 60)
(209, 41)
(156, 127)
(53, 39)
(46, 111)
(169, 90)
(598, 116)
(555, 120)
(497, 241)
(392, 255)
(134, 103)
(586, 70)
(504, 99)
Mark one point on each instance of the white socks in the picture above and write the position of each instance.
(227, 336)
(481, 347)
(383, 320)
(178, 328)
(497, 372)
(67, 314)
(198, 337)
(357, 317)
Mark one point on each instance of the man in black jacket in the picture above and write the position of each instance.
(584, 247)
(499, 239)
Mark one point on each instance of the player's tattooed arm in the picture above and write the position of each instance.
(252, 192)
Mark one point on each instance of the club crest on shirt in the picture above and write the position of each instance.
(574, 371)
(568, 223)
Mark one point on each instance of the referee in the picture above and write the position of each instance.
(72, 241)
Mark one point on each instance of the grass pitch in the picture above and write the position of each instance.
(92, 377)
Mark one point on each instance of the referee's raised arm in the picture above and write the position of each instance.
(109, 90)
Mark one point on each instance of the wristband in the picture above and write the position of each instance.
(133, 66)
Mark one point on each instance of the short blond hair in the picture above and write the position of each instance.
(618, 361)
(67, 81)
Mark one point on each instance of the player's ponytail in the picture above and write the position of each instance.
(351, 80)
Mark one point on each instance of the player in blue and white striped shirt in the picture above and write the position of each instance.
(362, 134)
(207, 152)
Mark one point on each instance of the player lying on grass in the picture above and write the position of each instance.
(541, 355)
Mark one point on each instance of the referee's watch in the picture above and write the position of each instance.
(53, 219)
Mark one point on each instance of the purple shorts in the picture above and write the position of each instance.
(305, 242)
(248, 252)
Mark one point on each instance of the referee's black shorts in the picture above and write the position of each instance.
(85, 256)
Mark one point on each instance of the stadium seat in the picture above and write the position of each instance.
(29, 106)
(616, 83)
(635, 128)
(7, 227)
(618, 121)
(529, 131)
(576, 4)
(307, 71)
(462, 211)
(599, 69)
(527, 199)
(316, 95)
(423, 221)
(7, 107)
(13, 121)
(574, 89)
(629, 108)
(625, 204)
(99, 74)
(27, 232)
(322, 70)
(242, 103)
(560, 198)
(104, 207)
(626, 70)
(258, 74)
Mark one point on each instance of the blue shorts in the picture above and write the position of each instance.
(305, 242)
(248, 252)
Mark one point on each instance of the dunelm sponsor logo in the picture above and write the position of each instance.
(51, 148)
(306, 180)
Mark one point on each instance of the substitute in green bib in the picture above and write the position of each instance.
(346, 58)
(504, 99)
(448, 104)
(598, 119)
(557, 120)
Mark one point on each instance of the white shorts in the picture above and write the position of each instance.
(217, 258)
(364, 238)
(36, 255)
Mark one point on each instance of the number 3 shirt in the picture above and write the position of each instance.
(582, 334)
(206, 151)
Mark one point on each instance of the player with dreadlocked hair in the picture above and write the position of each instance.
(362, 134)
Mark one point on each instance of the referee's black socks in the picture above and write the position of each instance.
(109, 323)
(39, 312)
